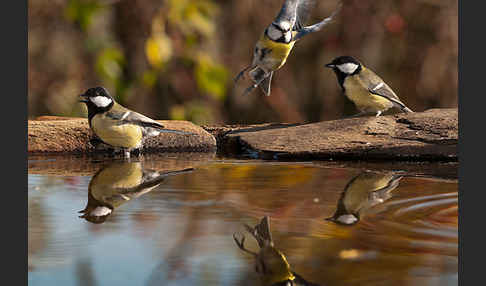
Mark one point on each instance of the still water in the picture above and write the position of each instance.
(170, 220)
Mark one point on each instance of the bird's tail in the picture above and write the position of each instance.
(164, 130)
(259, 76)
(187, 170)
(150, 175)
(407, 110)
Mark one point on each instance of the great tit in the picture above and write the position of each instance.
(271, 263)
(364, 88)
(118, 183)
(363, 192)
(118, 126)
(278, 39)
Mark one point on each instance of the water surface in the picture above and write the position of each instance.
(335, 224)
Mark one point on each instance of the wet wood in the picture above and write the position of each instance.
(50, 134)
(80, 165)
(420, 136)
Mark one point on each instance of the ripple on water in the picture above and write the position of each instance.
(426, 223)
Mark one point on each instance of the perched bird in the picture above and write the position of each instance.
(118, 183)
(271, 263)
(364, 88)
(278, 39)
(118, 126)
(363, 192)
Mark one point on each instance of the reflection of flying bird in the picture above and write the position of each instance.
(271, 264)
(118, 183)
(278, 39)
(118, 126)
(362, 193)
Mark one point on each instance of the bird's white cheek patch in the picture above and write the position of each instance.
(288, 37)
(100, 101)
(274, 33)
(348, 68)
(100, 211)
(347, 219)
(285, 25)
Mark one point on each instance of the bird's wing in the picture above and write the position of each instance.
(288, 12)
(318, 26)
(152, 179)
(304, 8)
(377, 86)
(392, 184)
(127, 116)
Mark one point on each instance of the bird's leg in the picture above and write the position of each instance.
(126, 153)
(138, 152)
(96, 142)
(241, 73)
(117, 151)
(251, 87)
(241, 244)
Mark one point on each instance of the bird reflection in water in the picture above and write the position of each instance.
(271, 263)
(363, 192)
(118, 183)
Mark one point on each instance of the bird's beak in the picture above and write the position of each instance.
(82, 98)
(330, 65)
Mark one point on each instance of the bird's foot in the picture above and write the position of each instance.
(241, 243)
(122, 152)
(138, 153)
(255, 85)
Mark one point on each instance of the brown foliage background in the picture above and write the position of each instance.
(175, 59)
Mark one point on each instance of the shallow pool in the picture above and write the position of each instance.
(170, 220)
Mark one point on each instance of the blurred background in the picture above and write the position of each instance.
(176, 59)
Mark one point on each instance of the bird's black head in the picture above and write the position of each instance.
(98, 100)
(280, 32)
(96, 211)
(344, 66)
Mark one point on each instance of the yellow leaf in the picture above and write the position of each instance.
(158, 49)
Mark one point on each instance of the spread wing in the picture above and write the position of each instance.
(377, 86)
(288, 12)
(304, 8)
(302, 31)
